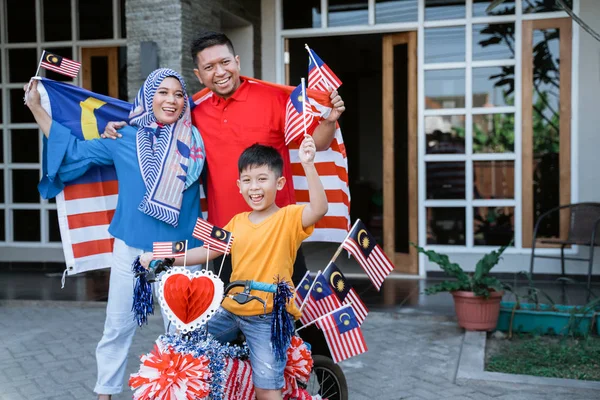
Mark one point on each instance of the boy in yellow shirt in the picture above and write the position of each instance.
(265, 247)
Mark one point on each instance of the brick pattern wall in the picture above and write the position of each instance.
(173, 25)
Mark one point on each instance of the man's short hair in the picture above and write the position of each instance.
(258, 155)
(208, 39)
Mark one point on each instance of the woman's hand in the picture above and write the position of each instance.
(32, 95)
(110, 131)
(145, 260)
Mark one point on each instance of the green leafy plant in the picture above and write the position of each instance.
(480, 282)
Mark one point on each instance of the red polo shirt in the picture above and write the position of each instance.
(254, 114)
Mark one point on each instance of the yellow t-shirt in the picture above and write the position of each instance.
(262, 252)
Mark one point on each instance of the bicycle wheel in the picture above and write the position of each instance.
(327, 380)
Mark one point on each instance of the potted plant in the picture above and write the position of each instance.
(476, 294)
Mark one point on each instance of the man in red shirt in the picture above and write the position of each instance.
(238, 114)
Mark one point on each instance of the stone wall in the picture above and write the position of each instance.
(173, 25)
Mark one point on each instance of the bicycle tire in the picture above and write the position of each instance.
(330, 379)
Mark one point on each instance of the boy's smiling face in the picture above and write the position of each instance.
(259, 186)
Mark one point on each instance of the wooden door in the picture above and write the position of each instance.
(400, 219)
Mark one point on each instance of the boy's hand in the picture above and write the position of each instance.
(307, 150)
(145, 260)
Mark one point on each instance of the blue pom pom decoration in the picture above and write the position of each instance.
(143, 301)
(282, 325)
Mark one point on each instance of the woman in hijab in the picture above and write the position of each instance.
(157, 162)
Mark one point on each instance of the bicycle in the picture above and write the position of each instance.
(325, 380)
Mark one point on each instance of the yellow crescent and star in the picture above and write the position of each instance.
(179, 246)
(338, 285)
(364, 242)
(318, 287)
(219, 234)
(345, 321)
(51, 58)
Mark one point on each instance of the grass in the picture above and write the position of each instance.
(547, 356)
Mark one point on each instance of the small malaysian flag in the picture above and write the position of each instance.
(302, 289)
(320, 76)
(321, 301)
(169, 249)
(60, 64)
(217, 238)
(369, 255)
(295, 117)
(343, 334)
(345, 292)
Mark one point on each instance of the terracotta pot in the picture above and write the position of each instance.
(476, 313)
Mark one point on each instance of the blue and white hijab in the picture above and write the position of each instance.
(171, 157)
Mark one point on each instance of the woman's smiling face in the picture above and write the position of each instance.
(168, 101)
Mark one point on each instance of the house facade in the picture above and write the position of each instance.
(462, 126)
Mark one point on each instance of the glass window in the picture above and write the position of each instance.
(19, 112)
(480, 6)
(22, 64)
(20, 18)
(537, 6)
(301, 14)
(446, 226)
(390, 11)
(493, 133)
(445, 44)
(25, 146)
(494, 179)
(26, 225)
(546, 126)
(1, 118)
(57, 20)
(493, 226)
(445, 134)
(445, 180)
(445, 88)
(2, 226)
(64, 52)
(348, 12)
(444, 9)
(24, 185)
(53, 228)
(1, 146)
(493, 86)
(95, 19)
(1, 185)
(493, 41)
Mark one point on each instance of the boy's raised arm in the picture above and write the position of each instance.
(318, 206)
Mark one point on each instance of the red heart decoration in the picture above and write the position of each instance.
(188, 298)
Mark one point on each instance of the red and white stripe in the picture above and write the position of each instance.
(377, 265)
(238, 385)
(360, 309)
(345, 345)
(319, 78)
(84, 214)
(315, 309)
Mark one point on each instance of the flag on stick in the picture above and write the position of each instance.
(169, 249)
(320, 76)
(321, 300)
(369, 255)
(217, 238)
(343, 334)
(302, 289)
(296, 117)
(345, 292)
(60, 64)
